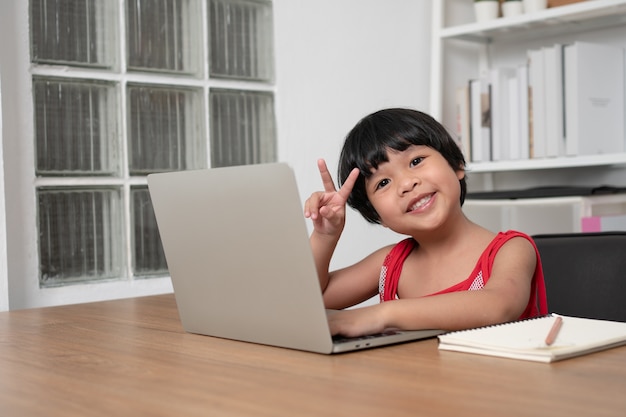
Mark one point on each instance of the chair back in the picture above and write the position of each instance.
(585, 273)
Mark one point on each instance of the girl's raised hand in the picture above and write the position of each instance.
(327, 209)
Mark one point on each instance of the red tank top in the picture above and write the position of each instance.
(392, 267)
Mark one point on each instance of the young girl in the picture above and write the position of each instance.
(401, 169)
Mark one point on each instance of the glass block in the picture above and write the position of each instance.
(70, 32)
(243, 128)
(166, 129)
(164, 35)
(148, 256)
(76, 128)
(80, 235)
(241, 39)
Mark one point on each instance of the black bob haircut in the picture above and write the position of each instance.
(366, 147)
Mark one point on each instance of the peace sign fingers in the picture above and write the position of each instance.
(327, 208)
(327, 180)
(329, 184)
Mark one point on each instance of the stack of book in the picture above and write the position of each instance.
(565, 100)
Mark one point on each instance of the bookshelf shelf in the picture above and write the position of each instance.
(548, 163)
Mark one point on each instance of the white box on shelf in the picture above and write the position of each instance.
(604, 223)
(547, 215)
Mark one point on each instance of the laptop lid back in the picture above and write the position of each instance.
(238, 253)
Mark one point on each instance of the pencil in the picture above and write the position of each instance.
(554, 331)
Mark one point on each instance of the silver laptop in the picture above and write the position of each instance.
(237, 249)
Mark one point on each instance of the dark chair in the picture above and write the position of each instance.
(585, 273)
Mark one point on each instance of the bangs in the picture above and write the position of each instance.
(376, 154)
(375, 138)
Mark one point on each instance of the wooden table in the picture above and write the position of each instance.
(132, 358)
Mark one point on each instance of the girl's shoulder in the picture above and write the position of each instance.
(513, 238)
(382, 255)
(384, 251)
(376, 258)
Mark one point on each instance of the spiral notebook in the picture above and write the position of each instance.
(526, 339)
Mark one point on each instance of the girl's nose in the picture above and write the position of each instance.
(408, 184)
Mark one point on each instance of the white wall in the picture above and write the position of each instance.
(18, 127)
(4, 284)
(337, 61)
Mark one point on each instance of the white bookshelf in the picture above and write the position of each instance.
(572, 18)
(565, 21)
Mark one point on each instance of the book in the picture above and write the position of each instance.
(553, 73)
(463, 121)
(514, 117)
(594, 99)
(524, 108)
(499, 81)
(480, 120)
(526, 339)
(536, 82)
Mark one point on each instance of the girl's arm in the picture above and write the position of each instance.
(503, 298)
(327, 211)
(356, 283)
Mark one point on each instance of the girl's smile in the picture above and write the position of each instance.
(420, 203)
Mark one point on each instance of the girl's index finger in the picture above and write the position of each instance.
(348, 185)
(327, 179)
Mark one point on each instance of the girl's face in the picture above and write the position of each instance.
(416, 190)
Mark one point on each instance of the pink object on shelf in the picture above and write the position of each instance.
(591, 224)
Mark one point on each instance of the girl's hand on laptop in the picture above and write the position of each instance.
(356, 322)
(327, 209)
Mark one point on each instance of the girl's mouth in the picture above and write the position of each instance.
(420, 202)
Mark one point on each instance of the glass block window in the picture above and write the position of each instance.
(148, 257)
(241, 39)
(162, 35)
(187, 84)
(81, 33)
(80, 235)
(76, 129)
(242, 128)
(165, 129)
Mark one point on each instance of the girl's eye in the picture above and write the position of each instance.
(416, 161)
(382, 184)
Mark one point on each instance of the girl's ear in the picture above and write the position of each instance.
(460, 173)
